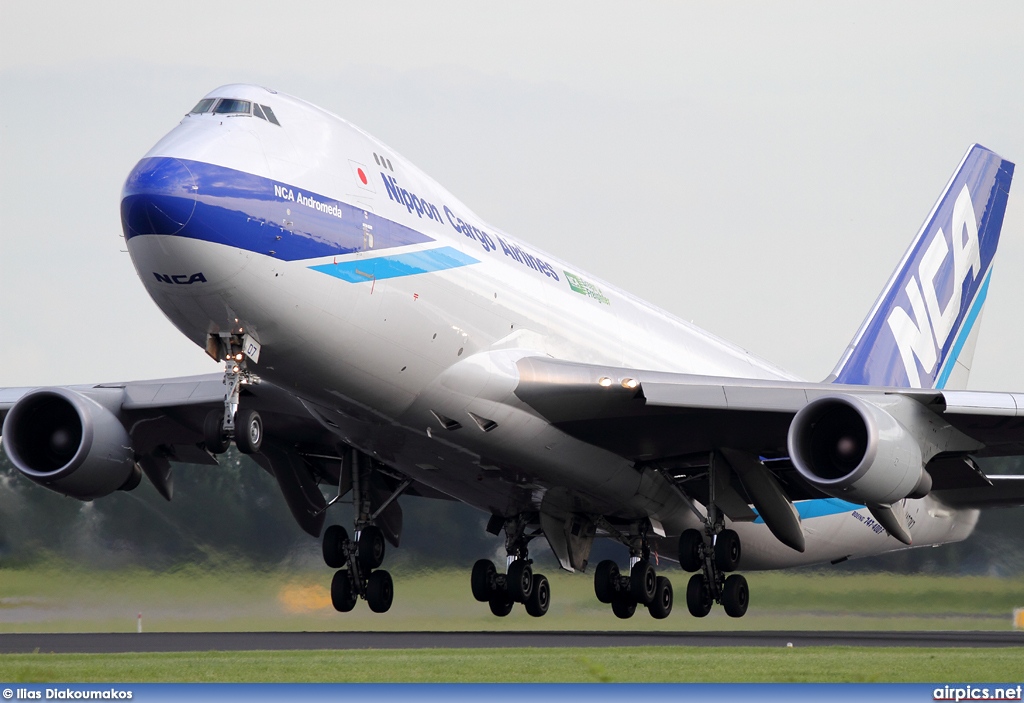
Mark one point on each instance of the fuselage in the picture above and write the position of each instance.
(376, 293)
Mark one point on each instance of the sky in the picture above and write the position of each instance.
(758, 168)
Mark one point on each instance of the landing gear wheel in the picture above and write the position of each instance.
(727, 550)
(539, 600)
(642, 582)
(371, 547)
(380, 591)
(735, 596)
(624, 608)
(213, 432)
(519, 581)
(482, 579)
(698, 596)
(690, 543)
(343, 596)
(606, 577)
(661, 606)
(335, 538)
(248, 431)
(501, 604)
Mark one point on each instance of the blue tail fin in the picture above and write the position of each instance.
(920, 333)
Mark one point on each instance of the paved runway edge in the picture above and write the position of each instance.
(111, 643)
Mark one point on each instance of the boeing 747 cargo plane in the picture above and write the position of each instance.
(380, 340)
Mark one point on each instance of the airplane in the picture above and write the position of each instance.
(380, 340)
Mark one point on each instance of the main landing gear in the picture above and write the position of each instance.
(641, 586)
(713, 553)
(243, 425)
(518, 584)
(357, 560)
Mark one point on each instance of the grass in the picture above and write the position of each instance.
(61, 598)
(615, 664)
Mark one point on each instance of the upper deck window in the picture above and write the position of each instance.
(202, 106)
(230, 106)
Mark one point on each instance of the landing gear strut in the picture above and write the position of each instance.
(357, 560)
(642, 586)
(713, 553)
(518, 584)
(243, 425)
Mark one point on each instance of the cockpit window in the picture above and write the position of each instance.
(270, 115)
(230, 106)
(202, 106)
(258, 111)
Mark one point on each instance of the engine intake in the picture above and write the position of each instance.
(851, 448)
(69, 443)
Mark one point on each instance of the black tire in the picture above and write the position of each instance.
(727, 550)
(371, 548)
(519, 581)
(380, 591)
(335, 538)
(642, 582)
(343, 596)
(735, 596)
(540, 599)
(248, 431)
(661, 606)
(501, 604)
(213, 432)
(482, 579)
(690, 544)
(624, 608)
(606, 579)
(698, 596)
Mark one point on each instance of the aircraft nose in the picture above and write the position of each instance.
(159, 197)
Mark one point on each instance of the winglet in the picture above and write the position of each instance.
(920, 333)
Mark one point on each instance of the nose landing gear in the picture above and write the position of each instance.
(243, 425)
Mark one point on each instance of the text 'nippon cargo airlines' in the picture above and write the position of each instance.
(380, 340)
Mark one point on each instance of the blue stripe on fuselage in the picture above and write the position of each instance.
(408, 264)
(216, 204)
(820, 508)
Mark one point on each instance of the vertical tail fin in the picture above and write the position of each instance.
(921, 331)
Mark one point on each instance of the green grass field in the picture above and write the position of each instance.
(639, 664)
(66, 599)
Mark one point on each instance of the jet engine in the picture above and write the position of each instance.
(69, 443)
(851, 448)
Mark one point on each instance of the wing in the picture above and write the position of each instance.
(790, 430)
(87, 441)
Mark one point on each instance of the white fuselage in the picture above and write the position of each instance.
(426, 309)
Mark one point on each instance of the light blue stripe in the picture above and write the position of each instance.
(965, 332)
(429, 261)
(820, 508)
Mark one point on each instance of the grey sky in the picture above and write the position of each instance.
(758, 168)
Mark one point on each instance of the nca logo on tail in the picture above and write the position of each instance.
(925, 339)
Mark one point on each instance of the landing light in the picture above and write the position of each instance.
(630, 383)
(604, 382)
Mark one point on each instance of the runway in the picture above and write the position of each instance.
(112, 643)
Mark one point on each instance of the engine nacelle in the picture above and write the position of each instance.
(851, 448)
(69, 443)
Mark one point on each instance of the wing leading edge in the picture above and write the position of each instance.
(675, 421)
